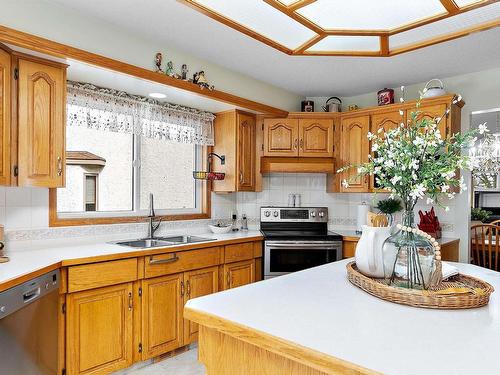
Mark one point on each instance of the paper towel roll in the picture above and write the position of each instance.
(363, 210)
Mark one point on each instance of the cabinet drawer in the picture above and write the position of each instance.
(95, 275)
(163, 264)
(237, 252)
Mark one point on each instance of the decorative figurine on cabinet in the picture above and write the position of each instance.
(196, 76)
(158, 61)
(184, 72)
(200, 80)
(169, 71)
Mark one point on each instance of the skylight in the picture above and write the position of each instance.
(352, 27)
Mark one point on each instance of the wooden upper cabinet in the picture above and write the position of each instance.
(5, 115)
(235, 139)
(99, 330)
(281, 137)
(41, 123)
(354, 151)
(198, 283)
(246, 152)
(239, 273)
(162, 322)
(431, 112)
(315, 138)
(386, 121)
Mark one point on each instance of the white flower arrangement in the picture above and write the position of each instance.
(413, 160)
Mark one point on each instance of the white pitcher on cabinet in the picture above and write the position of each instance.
(369, 257)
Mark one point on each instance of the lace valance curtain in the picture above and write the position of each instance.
(117, 111)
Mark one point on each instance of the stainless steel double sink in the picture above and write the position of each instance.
(147, 243)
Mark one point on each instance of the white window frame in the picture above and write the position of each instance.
(136, 189)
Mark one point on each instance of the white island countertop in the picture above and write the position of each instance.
(318, 309)
(28, 263)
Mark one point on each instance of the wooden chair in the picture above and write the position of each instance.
(485, 246)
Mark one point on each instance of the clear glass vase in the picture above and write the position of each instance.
(409, 258)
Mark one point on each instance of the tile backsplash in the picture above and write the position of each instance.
(24, 208)
(342, 207)
(24, 211)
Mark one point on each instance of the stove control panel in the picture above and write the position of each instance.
(294, 214)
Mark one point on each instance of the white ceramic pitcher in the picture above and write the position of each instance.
(369, 257)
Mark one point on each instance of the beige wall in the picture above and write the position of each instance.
(480, 91)
(54, 22)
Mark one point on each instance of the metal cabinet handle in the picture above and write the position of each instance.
(182, 288)
(228, 279)
(188, 289)
(59, 166)
(130, 302)
(301, 143)
(175, 258)
(296, 144)
(241, 177)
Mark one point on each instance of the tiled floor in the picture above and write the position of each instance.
(183, 364)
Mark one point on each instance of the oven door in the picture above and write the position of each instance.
(282, 257)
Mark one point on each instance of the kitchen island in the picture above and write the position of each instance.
(316, 322)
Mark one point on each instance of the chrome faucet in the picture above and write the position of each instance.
(152, 228)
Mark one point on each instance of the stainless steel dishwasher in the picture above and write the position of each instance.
(29, 327)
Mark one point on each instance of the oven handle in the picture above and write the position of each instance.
(329, 246)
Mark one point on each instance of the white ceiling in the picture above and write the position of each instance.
(179, 26)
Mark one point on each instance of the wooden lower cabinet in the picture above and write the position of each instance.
(99, 330)
(108, 328)
(198, 283)
(239, 273)
(163, 299)
(162, 304)
(349, 247)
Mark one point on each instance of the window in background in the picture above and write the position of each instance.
(113, 173)
(106, 154)
(166, 170)
(122, 147)
(90, 192)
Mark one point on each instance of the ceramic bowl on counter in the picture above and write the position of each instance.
(220, 228)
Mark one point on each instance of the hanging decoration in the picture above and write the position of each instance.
(486, 155)
(106, 109)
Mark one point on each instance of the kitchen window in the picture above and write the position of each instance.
(113, 164)
(90, 192)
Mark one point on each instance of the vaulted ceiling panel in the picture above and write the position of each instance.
(347, 43)
(447, 27)
(263, 19)
(369, 14)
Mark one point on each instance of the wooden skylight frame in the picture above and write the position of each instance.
(385, 50)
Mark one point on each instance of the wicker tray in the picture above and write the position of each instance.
(441, 297)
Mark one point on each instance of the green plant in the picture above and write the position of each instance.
(415, 160)
(389, 206)
(478, 214)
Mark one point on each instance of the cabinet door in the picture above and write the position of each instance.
(386, 121)
(431, 112)
(281, 137)
(198, 283)
(5, 95)
(316, 138)
(99, 330)
(354, 151)
(246, 152)
(162, 306)
(238, 274)
(41, 123)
